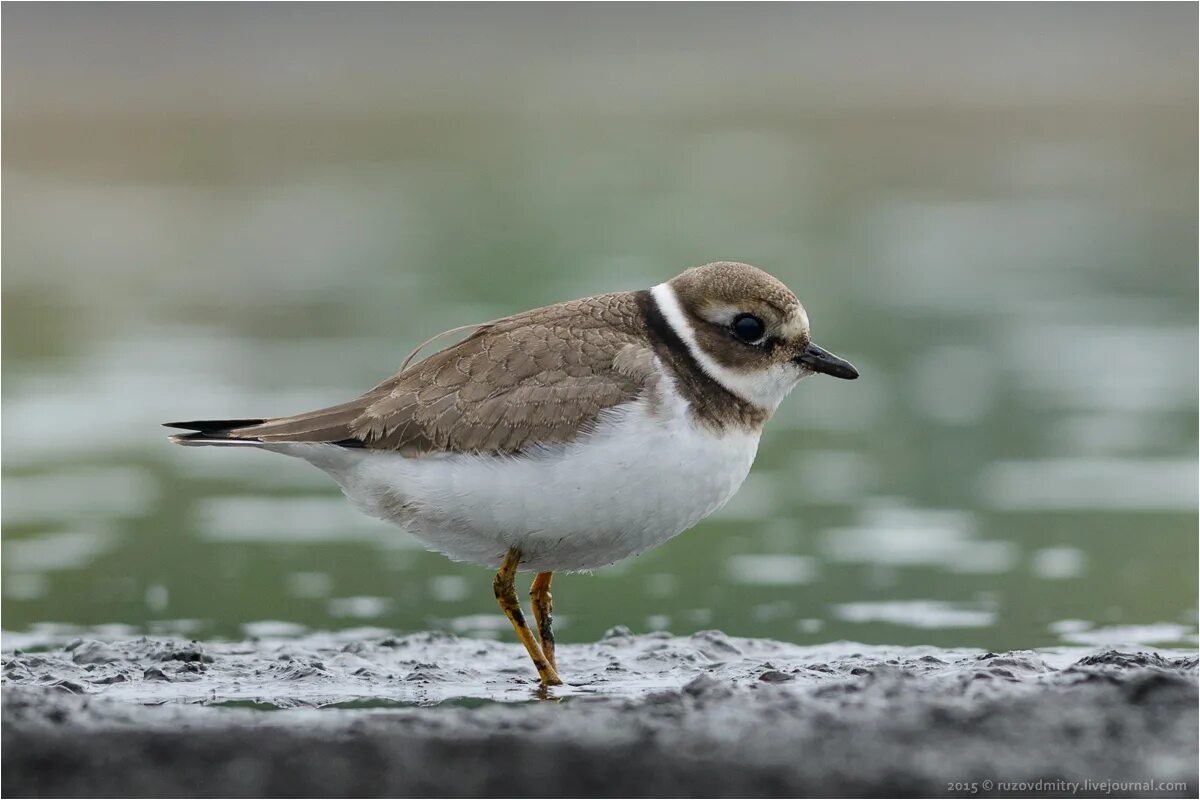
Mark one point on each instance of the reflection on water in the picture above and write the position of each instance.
(917, 614)
(771, 570)
(908, 537)
(1092, 483)
(1124, 635)
(1015, 279)
(283, 519)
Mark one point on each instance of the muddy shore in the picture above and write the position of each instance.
(362, 714)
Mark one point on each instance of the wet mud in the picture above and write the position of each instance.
(364, 714)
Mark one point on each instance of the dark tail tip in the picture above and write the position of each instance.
(212, 431)
(214, 426)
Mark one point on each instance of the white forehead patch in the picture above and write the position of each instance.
(796, 325)
(764, 388)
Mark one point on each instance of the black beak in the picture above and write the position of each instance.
(818, 359)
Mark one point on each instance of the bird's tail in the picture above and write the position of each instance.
(214, 432)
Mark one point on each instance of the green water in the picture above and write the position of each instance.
(1015, 276)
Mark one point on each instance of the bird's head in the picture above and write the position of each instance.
(747, 330)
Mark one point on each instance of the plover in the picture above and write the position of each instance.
(568, 437)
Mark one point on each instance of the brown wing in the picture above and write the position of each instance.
(537, 378)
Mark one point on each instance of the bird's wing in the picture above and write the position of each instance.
(542, 377)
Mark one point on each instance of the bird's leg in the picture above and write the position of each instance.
(543, 618)
(506, 596)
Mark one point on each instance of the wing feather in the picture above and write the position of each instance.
(537, 378)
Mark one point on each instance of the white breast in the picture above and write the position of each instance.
(647, 473)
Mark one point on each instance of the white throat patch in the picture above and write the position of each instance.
(765, 389)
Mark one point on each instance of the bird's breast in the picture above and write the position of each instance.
(647, 472)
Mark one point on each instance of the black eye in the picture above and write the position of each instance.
(748, 327)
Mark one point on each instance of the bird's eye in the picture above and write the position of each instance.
(748, 328)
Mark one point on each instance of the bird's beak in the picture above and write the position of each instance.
(818, 359)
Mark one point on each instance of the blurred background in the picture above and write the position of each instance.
(236, 210)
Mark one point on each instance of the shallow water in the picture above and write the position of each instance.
(1014, 275)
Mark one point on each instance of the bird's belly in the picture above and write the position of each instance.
(635, 482)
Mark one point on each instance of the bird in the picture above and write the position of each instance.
(567, 437)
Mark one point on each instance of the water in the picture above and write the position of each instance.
(1012, 270)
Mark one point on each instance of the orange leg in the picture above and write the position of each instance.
(506, 596)
(543, 618)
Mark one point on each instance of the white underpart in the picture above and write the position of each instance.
(646, 473)
(763, 388)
